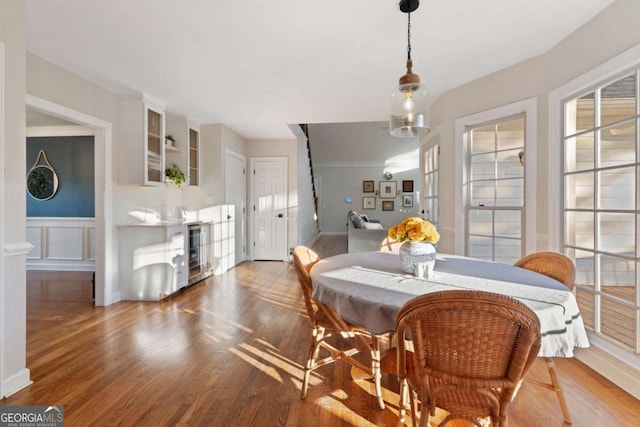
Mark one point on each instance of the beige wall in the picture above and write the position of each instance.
(48, 81)
(613, 31)
(215, 140)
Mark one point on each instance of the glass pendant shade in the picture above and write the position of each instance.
(409, 110)
(409, 106)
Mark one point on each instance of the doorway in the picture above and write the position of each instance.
(270, 201)
(235, 194)
(104, 250)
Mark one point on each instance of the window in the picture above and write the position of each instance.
(601, 206)
(495, 185)
(431, 162)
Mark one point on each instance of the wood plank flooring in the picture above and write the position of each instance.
(229, 352)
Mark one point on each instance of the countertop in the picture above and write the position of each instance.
(166, 223)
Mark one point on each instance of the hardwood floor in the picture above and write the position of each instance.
(229, 352)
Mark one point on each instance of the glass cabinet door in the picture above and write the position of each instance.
(154, 146)
(194, 167)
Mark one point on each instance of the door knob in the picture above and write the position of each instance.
(229, 217)
(280, 215)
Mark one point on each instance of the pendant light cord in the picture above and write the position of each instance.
(408, 35)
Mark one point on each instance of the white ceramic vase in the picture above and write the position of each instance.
(422, 254)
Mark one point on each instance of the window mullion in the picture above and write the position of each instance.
(597, 258)
(597, 190)
(637, 206)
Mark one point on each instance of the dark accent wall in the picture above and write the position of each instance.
(72, 157)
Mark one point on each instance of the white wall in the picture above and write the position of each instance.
(13, 372)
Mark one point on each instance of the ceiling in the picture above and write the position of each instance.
(257, 66)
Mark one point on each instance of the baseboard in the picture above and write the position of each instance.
(53, 266)
(612, 368)
(314, 240)
(333, 233)
(115, 297)
(16, 383)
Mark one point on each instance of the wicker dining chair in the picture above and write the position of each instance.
(325, 322)
(471, 349)
(551, 264)
(561, 268)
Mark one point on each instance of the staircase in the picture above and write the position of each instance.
(305, 129)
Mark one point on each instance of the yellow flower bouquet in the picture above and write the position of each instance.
(415, 229)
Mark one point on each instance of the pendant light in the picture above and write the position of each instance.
(409, 100)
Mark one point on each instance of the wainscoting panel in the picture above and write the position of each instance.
(34, 236)
(90, 243)
(63, 244)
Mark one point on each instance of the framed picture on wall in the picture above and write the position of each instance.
(407, 186)
(387, 205)
(407, 201)
(368, 202)
(388, 190)
(368, 186)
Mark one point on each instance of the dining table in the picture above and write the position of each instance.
(369, 288)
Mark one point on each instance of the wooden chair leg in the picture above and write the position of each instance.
(402, 406)
(308, 368)
(375, 369)
(314, 350)
(555, 386)
(417, 418)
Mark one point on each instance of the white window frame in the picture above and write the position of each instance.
(530, 109)
(433, 141)
(607, 71)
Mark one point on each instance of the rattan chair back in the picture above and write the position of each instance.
(551, 264)
(471, 350)
(304, 258)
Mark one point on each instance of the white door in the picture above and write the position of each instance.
(235, 190)
(270, 208)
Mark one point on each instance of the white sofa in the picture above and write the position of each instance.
(364, 234)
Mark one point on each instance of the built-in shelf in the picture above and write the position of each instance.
(171, 148)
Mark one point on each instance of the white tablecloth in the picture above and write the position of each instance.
(368, 289)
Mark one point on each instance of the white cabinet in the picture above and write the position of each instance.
(152, 261)
(186, 153)
(141, 132)
(176, 237)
